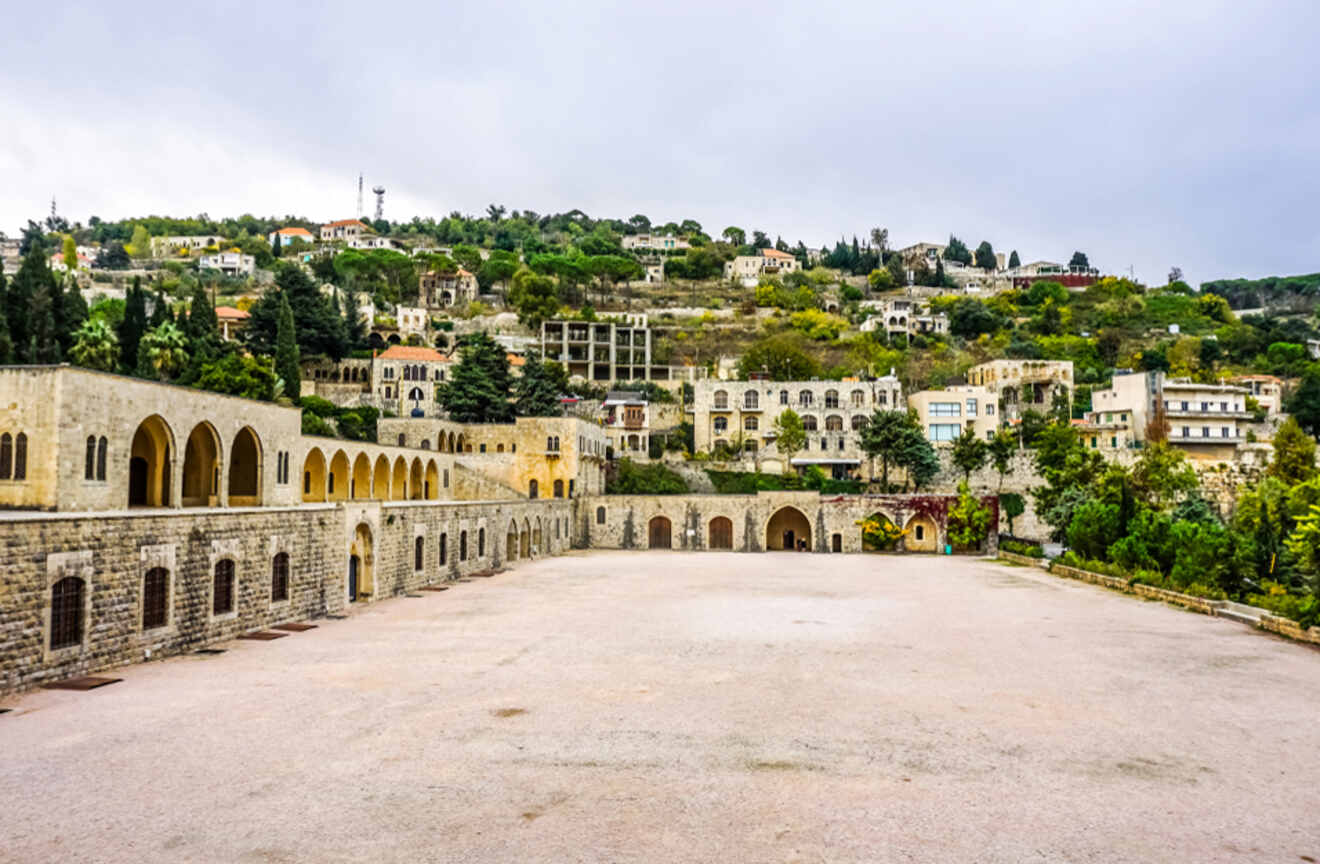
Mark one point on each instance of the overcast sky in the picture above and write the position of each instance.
(1149, 134)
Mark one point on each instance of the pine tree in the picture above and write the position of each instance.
(70, 311)
(133, 325)
(202, 332)
(33, 277)
(536, 394)
(1014, 260)
(275, 245)
(478, 388)
(286, 350)
(43, 341)
(6, 346)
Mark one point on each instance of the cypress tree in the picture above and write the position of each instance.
(275, 246)
(537, 394)
(6, 346)
(286, 350)
(33, 277)
(70, 311)
(43, 339)
(161, 312)
(478, 388)
(202, 331)
(133, 325)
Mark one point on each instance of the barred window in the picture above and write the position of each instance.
(66, 612)
(444, 552)
(419, 552)
(155, 598)
(279, 578)
(222, 588)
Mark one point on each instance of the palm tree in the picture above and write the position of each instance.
(95, 346)
(166, 349)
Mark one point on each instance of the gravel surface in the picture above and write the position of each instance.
(693, 707)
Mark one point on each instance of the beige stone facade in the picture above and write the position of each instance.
(1206, 421)
(944, 414)
(1024, 385)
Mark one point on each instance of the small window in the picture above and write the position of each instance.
(483, 448)
(446, 478)
(401, 435)
(750, 424)
(307, 482)
(89, 461)
(444, 551)
(462, 546)
(531, 489)
(559, 488)
(481, 542)
(6, 456)
(419, 552)
(921, 532)
(101, 447)
(600, 515)
(155, 598)
(222, 588)
(279, 578)
(66, 612)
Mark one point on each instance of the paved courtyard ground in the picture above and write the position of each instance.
(693, 707)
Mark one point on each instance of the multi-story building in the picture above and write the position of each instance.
(405, 380)
(1106, 430)
(412, 321)
(1204, 420)
(231, 321)
(1267, 390)
(374, 241)
(287, 236)
(901, 318)
(654, 242)
(1049, 271)
(442, 290)
(229, 263)
(729, 416)
(1024, 385)
(770, 262)
(343, 229)
(625, 415)
(601, 351)
(944, 414)
(162, 247)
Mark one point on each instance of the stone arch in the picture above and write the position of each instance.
(525, 540)
(787, 529)
(380, 479)
(360, 486)
(432, 485)
(873, 545)
(314, 476)
(659, 533)
(150, 464)
(245, 469)
(719, 535)
(399, 481)
(450, 448)
(922, 534)
(338, 481)
(536, 536)
(511, 543)
(460, 443)
(201, 467)
(415, 479)
(361, 564)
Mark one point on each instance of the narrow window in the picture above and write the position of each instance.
(444, 551)
(481, 542)
(222, 589)
(6, 456)
(600, 515)
(462, 546)
(20, 456)
(279, 578)
(100, 458)
(66, 612)
(531, 489)
(307, 482)
(155, 598)
(418, 552)
(89, 462)
(559, 488)
(446, 478)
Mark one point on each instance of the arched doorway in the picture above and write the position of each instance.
(525, 541)
(245, 469)
(338, 484)
(536, 537)
(720, 535)
(380, 479)
(149, 467)
(511, 543)
(314, 476)
(201, 467)
(432, 481)
(415, 490)
(361, 484)
(879, 533)
(399, 481)
(659, 533)
(361, 564)
(789, 530)
(922, 535)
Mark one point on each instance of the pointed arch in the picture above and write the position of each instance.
(338, 483)
(511, 543)
(380, 479)
(150, 463)
(360, 486)
(399, 481)
(245, 469)
(313, 488)
(786, 529)
(201, 467)
(432, 484)
(415, 480)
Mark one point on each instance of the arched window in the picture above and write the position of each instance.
(858, 399)
(415, 394)
(721, 425)
(600, 515)
(783, 397)
(66, 613)
(834, 423)
(809, 424)
(462, 546)
(407, 373)
(6, 456)
(444, 552)
(531, 489)
(804, 398)
(155, 598)
(751, 399)
(749, 424)
(20, 456)
(279, 578)
(89, 461)
(481, 542)
(222, 588)
(419, 552)
(721, 400)
(401, 439)
(831, 398)
(549, 443)
(559, 488)
(859, 422)
(426, 443)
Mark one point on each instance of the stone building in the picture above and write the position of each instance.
(626, 418)
(343, 230)
(902, 318)
(740, 416)
(944, 414)
(1024, 385)
(443, 290)
(405, 380)
(1267, 390)
(748, 269)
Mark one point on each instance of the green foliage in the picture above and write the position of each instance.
(970, 318)
(969, 520)
(535, 298)
(95, 346)
(538, 391)
(163, 352)
(883, 437)
(969, 453)
(1304, 609)
(286, 349)
(1274, 291)
(791, 436)
(985, 256)
(321, 330)
(654, 478)
(878, 533)
(1031, 550)
(240, 375)
(1294, 454)
(751, 482)
(478, 387)
(957, 251)
(782, 356)
(818, 325)
(1095, 526)
(1013, 506)
(314, 425)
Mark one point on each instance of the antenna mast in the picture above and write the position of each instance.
(359, 207)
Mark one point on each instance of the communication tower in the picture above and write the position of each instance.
(380, 201)
(359, 207)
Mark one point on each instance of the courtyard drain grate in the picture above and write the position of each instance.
(295, 627)
(434, 588)
(414, 596)
(337, 617)
(263, 635)
(87, 682)
(209, 651)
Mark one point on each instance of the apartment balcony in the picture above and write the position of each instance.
(634, 424)
(1194, 436)
(1195, 412)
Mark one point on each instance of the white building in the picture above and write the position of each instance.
(374, 241)
(162, 247)
(749, 269)
(1207, 421)
(287, 236)
(654, 242)
(229, 263)
(627, 421)
(343, 229)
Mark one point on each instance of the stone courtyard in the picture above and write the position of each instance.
(654, 706)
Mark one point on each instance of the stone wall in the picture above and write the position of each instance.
(112, 553)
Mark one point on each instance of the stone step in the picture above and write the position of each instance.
(1240, 617)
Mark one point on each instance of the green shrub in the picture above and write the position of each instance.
(653, 479)
(318, 406)
(314, 425)
(1305, 610)
(1031, 550)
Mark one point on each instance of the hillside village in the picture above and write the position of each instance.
(1162, 431)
